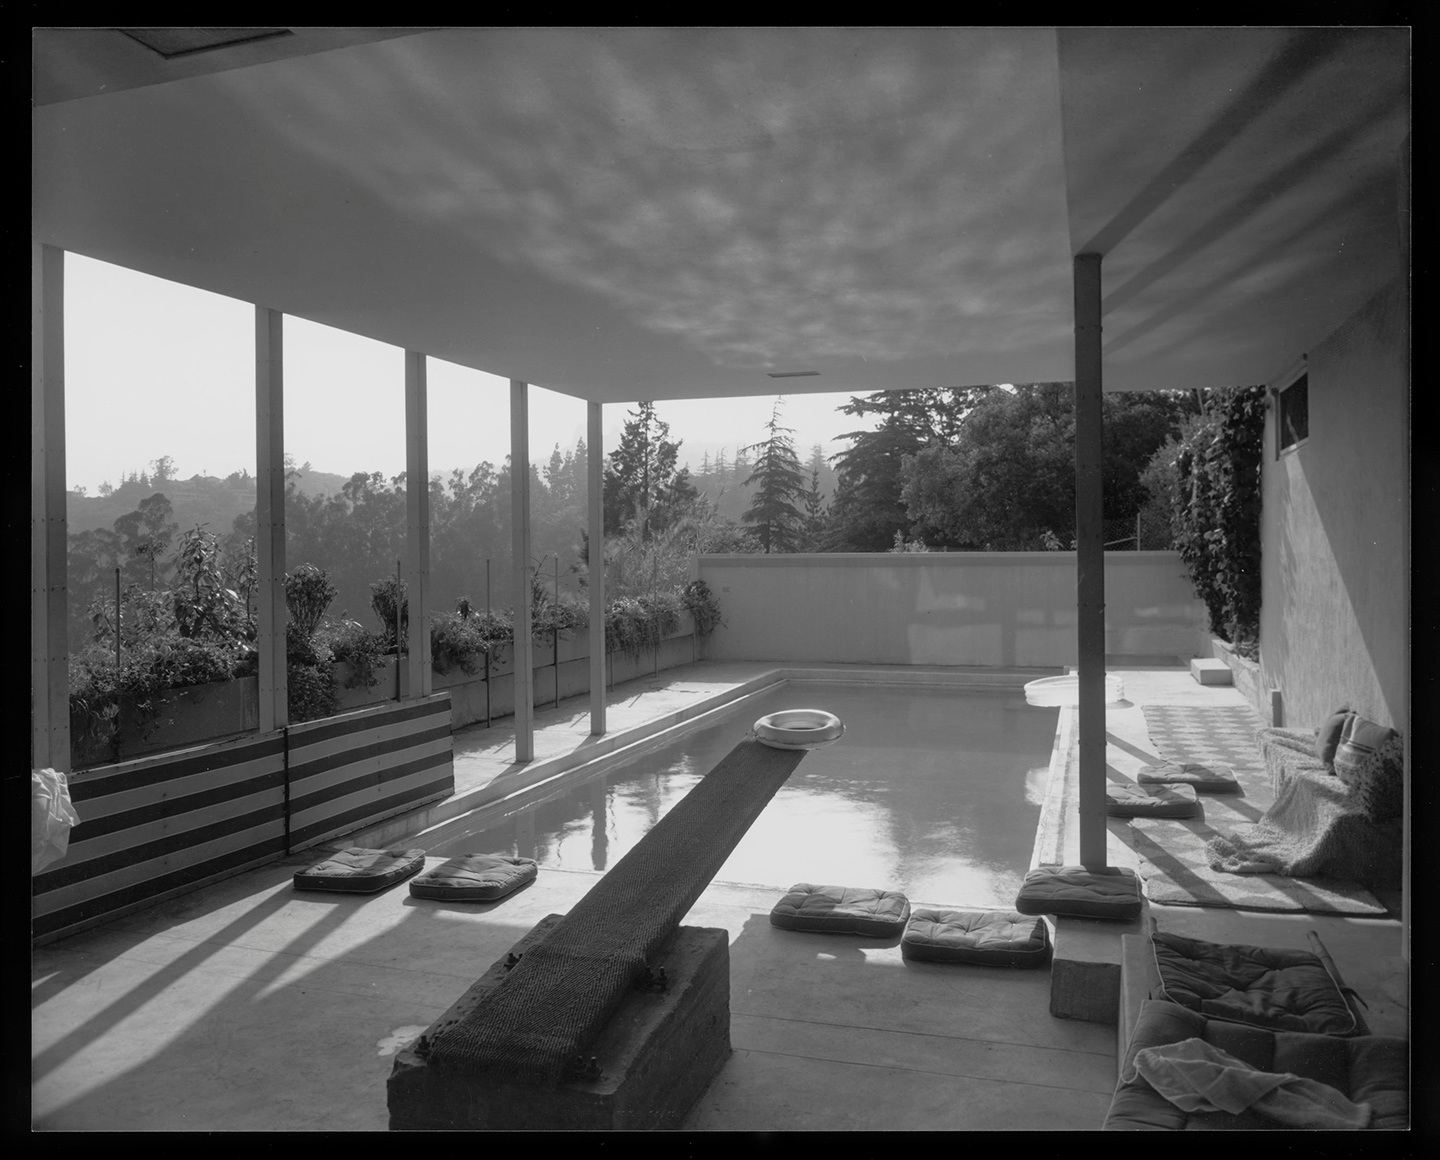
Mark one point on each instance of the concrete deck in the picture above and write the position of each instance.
(245, 1005)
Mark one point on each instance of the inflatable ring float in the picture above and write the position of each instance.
(1065, 691)
(798, 729)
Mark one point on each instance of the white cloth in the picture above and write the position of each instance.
(51, 816)
(1197, 1077)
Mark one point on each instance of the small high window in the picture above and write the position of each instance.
(1293, 414)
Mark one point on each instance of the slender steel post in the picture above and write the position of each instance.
(555, 631)
(595, 472)
(1090, 560)
(117, 624)
(487, 650)
(520, 549)
(398, 667)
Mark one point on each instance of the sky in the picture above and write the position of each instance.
(154, 368)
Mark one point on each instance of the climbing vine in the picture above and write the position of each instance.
(1217, 514)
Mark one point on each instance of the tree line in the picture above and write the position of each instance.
(980, 468)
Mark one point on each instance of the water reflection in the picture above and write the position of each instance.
(930, 791)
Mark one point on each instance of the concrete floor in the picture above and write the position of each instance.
(246, 1005)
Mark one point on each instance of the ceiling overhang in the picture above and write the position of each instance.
(648, 213)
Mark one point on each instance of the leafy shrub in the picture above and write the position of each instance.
(310, 691)
(351, 643)
(456, 642)
(700, 602)
(308, 593)
(383, 600)
(563, 617)
(634, 624)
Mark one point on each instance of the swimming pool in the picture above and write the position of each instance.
(933, 791)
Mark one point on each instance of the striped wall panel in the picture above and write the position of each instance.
(347, 772)
(157, 824)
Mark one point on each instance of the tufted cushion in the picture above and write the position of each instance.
(1327, 737)
(1372, 1069)
(988, 938)
(842, 910)
(1140, 801)
(1080, 893)
(356, 870)
(475, 878)
(1287, 990)
(1203, 778)
(1370, 761)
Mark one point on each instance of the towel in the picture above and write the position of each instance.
(1196, 1077)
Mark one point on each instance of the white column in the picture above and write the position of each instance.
(520, 550)
(1405, 725)
(49, 645)
(417, 523)
(1090, 560)
(595, 465)
(270, 515)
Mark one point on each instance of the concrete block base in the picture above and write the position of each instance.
(1210, 671)
(658, 1054)
(1085, 968)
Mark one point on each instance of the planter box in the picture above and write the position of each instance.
(468, 694)
(1248, 679)
(186, 716)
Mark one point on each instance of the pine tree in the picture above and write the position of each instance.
(817, 518)
(779, 485)
(641, 479)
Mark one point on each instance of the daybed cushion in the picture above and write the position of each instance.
(1372, 1069)
(1286, 990)
(1080, 893)
(842, 910)
(987, 938)
(475, 878)
(1203, 778)
(1327, 737)
(1370, 761)
(1157, 801)
(356, 870)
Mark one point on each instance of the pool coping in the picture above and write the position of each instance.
(492, 802)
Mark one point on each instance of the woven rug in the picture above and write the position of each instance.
(1173, 858)
(1189, 733)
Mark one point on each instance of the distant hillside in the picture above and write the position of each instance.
(201, 499)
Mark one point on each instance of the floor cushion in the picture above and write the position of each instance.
(842, 910)
(475, 878)
(987, 938)
(1151, 801)
(1372, 1069)
(356, 870)
(1204, 778)
(1285, 990)
(1080, 893)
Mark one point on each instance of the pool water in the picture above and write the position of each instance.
(932, 791)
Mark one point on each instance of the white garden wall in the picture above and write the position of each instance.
(956, 608)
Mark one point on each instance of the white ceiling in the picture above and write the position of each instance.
(649, 213)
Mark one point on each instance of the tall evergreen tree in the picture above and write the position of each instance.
(816, 517)
(641, 478)
(779, 486)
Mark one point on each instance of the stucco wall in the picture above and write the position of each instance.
(1333, 619)
(960, 608)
